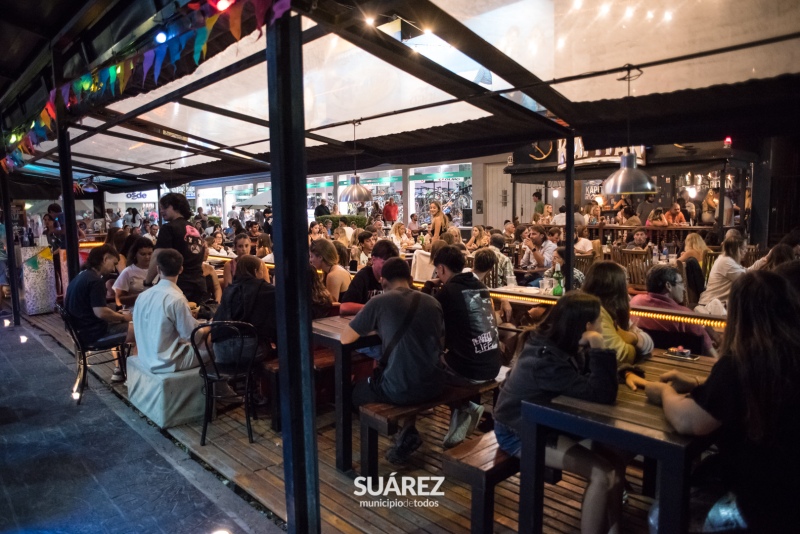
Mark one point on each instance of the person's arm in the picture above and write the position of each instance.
(125, 298)
(682, 412)
(110, 316)
(227, 277)
(349, 308)
(182, 316)
(626, 352)
(348, 336)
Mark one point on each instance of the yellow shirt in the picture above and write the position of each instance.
(626, 352)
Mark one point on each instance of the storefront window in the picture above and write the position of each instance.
(450, 185)
(210, 199)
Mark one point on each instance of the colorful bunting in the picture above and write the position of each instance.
(65, 94)
(200, 38)
(125, 75)
(261, 7)
(210, 22)
(33, 137)
(33, 261)
(161, 52)
(112, 78)
(86, 82)
(147, 62)
(46, 120)
(279, 8)
(235, 20)
(102, 77)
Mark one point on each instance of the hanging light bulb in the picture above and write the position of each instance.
(555, 193)
(692, 191)
(628, 179)
(355, 192)
(161, 37)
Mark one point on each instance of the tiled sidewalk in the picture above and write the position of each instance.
(97, 467)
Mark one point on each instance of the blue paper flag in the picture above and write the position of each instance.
(161, 52)
(200, 38)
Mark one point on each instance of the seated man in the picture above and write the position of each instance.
(505, 268)
(538, 255)
(366, 283)
(665, 290)
(96, 324)
(409, 324)
(674, 216)
(260, 242)
(361, 253)
(163, 318)
(639, 239)
(472, 345)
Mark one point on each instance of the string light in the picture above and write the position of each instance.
(76, 395)
(222, 5)
(370, 21)
(161, 37)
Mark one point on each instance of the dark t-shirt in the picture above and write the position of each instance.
(181, 236)
(321, 210)
(251, 301)
(470, 328)
(363, 287)
(763, 476)
(85, 292)
(413, 373)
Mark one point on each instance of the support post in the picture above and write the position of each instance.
(721, 201)
(569, 200)
(158, 206)
(287, 140)
(409, 205)
(65, 168)
(13, 271)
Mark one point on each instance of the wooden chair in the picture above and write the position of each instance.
(582, 263)
(681, 267)
(750, 255)
(615, 255)
(597, 250)
(493, 280)
(709, 257)
(637, 263)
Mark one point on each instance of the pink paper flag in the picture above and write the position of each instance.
(149, 56)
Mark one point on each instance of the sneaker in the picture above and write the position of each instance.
(117, 375)
(407, 442)
(462, 424)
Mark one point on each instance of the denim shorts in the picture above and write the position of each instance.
(507, 439)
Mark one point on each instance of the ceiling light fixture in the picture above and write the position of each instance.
(628, 179)
(355, 192)
(161, 37)
(370, 21)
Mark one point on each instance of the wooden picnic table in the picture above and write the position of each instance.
(631, 424)
(327, 332)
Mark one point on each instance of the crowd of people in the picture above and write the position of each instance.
(448, 333)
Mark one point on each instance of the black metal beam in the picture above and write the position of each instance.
(65, 163)
(243, 64)
(127, 164)
(569, 200)
(13, 272)
(251, 120)
(471, 44)
(285, 83)
(387, 48)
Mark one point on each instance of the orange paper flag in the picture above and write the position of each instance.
(235, 20)
(46, 120)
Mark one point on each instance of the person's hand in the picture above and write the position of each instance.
(505, 309)
(680, 382)
(655, 391)
(592, 339)
(635, 381)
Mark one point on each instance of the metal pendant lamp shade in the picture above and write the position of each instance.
(355, 192)
(629, 179)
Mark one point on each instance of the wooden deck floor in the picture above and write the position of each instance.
(258, 469)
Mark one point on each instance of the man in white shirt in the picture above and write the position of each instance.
(539, 256)
(233, 214)
(163, 317)
(560, 219)
(152, 233)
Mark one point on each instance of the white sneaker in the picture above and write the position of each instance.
(462, 424)
(117, 375)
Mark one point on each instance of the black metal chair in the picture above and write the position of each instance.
(238, 342)
(84, 351)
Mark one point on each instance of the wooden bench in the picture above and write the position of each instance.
(482, 464)
(384, 418)
(324, 360)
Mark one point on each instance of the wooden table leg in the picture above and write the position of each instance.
(344, 410)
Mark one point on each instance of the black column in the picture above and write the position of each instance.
(13, 272)
(287, 152)
(721, 201)
(569, 200)
(65, 169)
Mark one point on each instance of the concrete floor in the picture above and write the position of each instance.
(97, 467)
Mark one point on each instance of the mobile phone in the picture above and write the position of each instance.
(681, 353)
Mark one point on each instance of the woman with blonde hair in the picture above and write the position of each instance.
(478, 240)
(340, 236)
(438, 221)
(547, 216)
(323, 256)
(656, 218)
(399, 237)
(709, 207)
(694, 248)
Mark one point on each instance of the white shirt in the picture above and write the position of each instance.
(583, 245)
(723, 273)
(560, 219)
(233, 214)
(152, 237)
(165, 324)
(131, 279)
(349, 232)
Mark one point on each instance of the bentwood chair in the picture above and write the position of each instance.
(709, 257)
(240, 344)
(750, 255)
(86, 353)
(583, 262)
(636, 263)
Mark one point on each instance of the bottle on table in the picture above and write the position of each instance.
(558, 290)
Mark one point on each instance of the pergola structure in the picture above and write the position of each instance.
(426, 80)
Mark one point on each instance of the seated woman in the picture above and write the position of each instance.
(606, 281)
(726, 269)
(130, 281)
(250, 299)
(547, 216)
(565, 356)
(321, 301)
(241, 247)
(344, 254)
(751, 401)
(479, 239)
(694, 247)
(399, 237)
(582, 243)
(340, 235)
(213, 287)
(216, 248)
(315, 232)
(656, 218)
(558, 259)
(322, 255)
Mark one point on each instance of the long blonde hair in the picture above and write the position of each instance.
(695, 242)
(395, 230)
